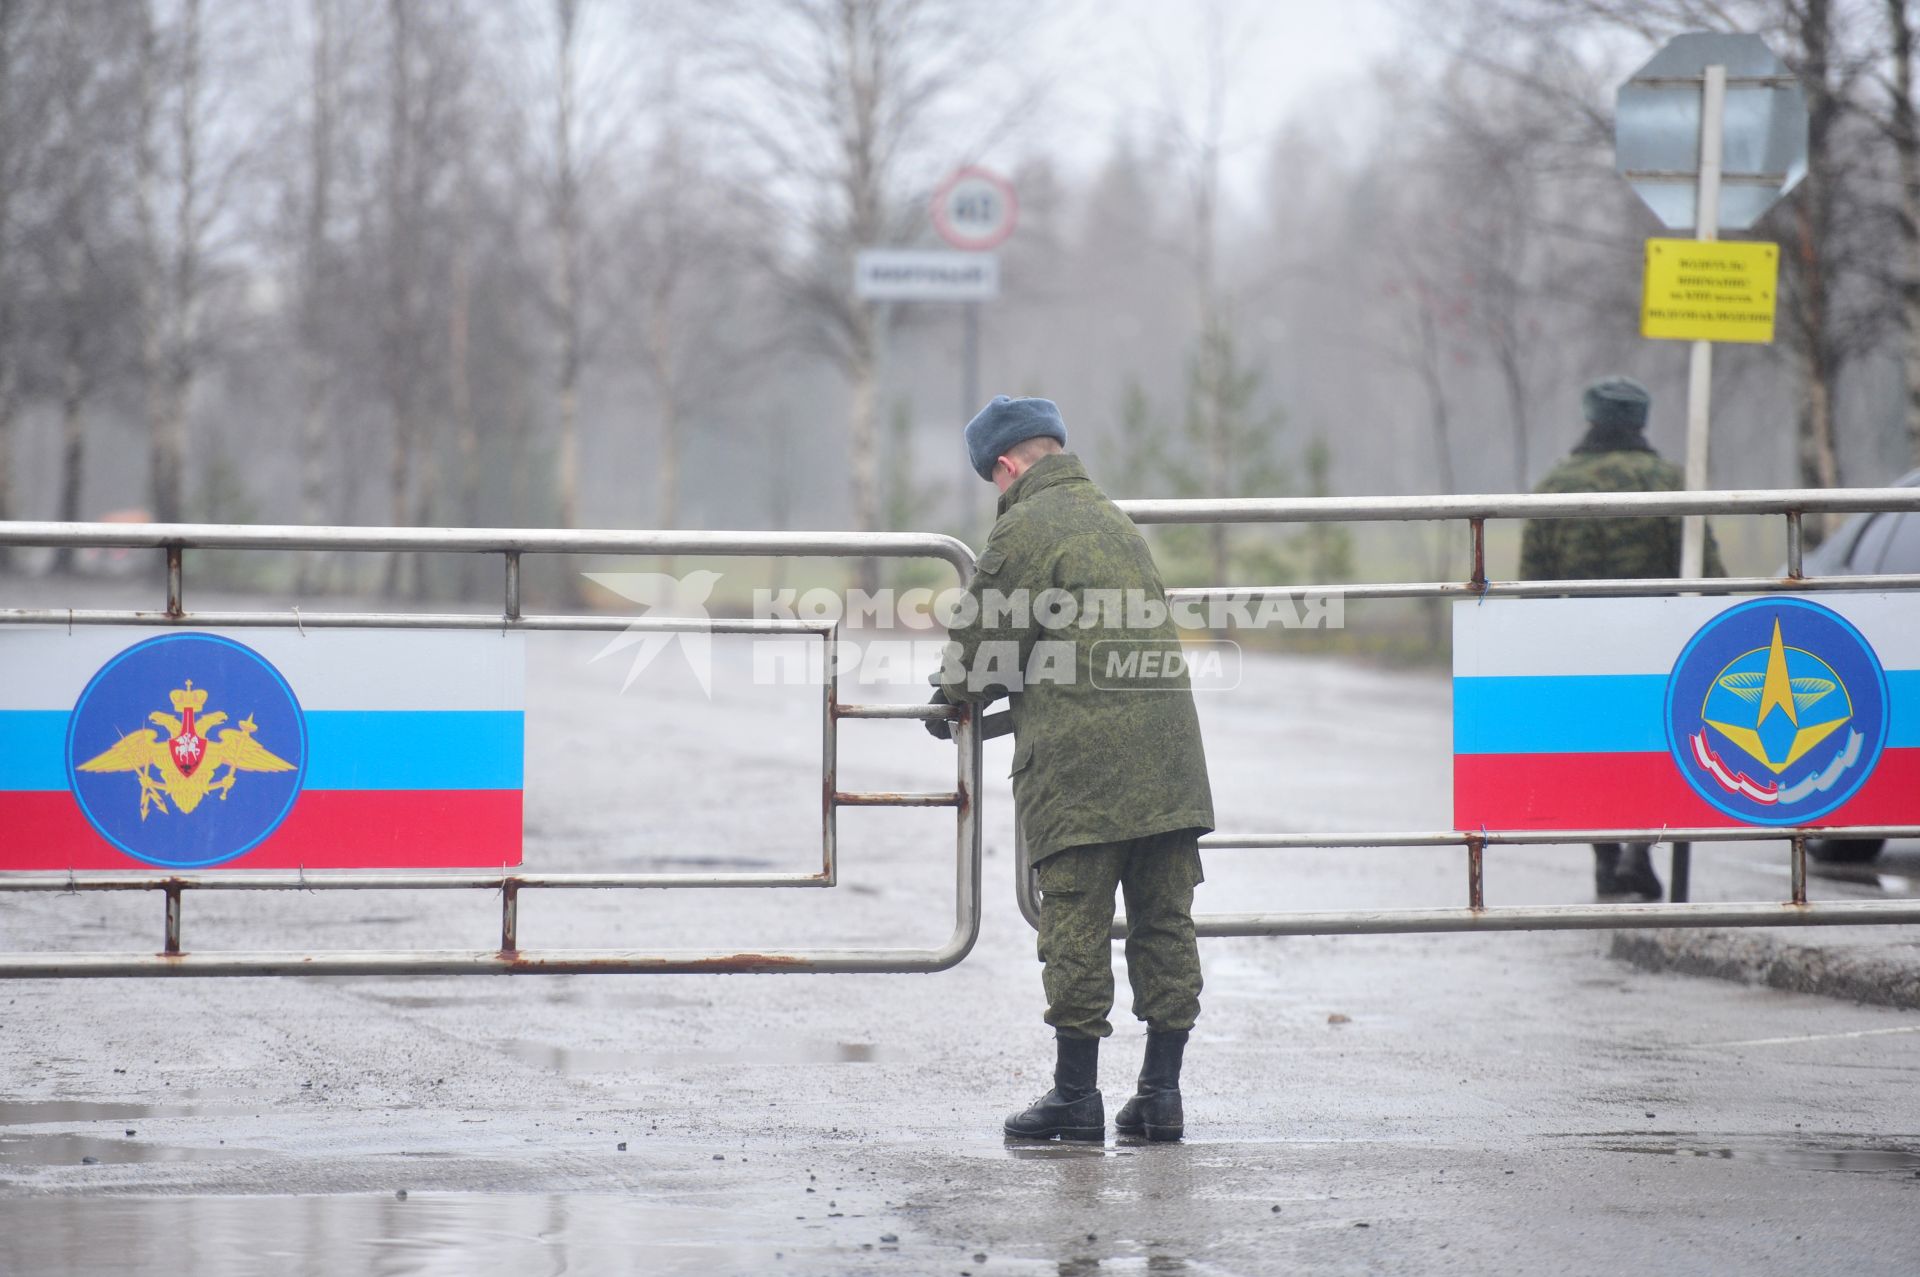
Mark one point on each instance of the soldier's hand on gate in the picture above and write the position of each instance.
(939, 728)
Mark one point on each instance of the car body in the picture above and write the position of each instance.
(1878, 543)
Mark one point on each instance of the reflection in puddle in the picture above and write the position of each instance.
(45, 1112)
(1810, 1157)
(577, 1060)
(65, 1149)
(1058, 1150)
(422, 1235)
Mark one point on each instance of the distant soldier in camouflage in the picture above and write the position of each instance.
(1109, 778)
(1613, 456)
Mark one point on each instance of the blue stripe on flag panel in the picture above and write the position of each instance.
(1560, 714)
(1605, 714)
(415, 749)
(35, 749)
(346, 749)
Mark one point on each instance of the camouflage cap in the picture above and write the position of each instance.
(1617, 401)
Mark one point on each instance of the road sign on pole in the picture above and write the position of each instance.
(926, 275)
(1714, 291)
(1710, 133)
(975, 210)
(1659, 119)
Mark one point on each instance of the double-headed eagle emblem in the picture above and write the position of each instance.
(187, 766)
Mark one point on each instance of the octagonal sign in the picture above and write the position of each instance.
(1656, 129)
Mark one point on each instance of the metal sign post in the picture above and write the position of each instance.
(1693, 530)
(974, 210)
(1707, 98)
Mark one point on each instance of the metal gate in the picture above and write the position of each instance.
(1475, 511)
(512, 545)
(174, 958)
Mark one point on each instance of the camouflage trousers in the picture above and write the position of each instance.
(1157, 875)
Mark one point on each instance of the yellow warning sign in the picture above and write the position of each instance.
(1710, 290)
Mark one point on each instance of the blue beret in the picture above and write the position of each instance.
(1005, 422)
(1616, 401)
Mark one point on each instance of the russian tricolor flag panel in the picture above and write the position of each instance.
(125, 748)
(1686, 712)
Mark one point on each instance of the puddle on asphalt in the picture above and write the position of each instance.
(1803, 1156)
(112, 1146)
(577, 1060)
(428, 1234)
(41, 1112)
(64, 1148)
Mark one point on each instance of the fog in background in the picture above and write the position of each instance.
(588, 263)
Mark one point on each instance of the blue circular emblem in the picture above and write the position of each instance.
(1776, 711)
(186, 750)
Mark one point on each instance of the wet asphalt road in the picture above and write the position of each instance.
(1513, 1103)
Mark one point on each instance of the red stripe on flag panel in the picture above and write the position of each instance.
(327, 829)
(1621, 791)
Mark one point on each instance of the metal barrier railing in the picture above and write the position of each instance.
(512, 545)
(1476, 511)
(509, 958)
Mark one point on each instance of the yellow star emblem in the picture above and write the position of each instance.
(1778, 692)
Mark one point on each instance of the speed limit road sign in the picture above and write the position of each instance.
(975, 209)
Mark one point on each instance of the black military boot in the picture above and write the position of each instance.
(1072, 1110)
(1154, 1111)
(1624, 874)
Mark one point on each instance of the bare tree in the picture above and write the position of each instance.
(315, 260)
(843, 101)
(79, 149)
(1904, 132)
(1831, 314)
(1233, 438)
(17, 131)
(689, 283)
(566, 257)
(428, 92)
(173, 280)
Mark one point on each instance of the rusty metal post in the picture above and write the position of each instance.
(1476, 872)
(1799, 860)
(176, 587)
(1793, 545)
(1478, 530)
(509, 916)
(830, 757)
(513, 585)
(173, 918)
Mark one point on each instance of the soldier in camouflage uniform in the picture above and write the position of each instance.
(1109, 778)
(1613, 456)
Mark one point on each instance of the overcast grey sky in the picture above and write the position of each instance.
(1126, 63)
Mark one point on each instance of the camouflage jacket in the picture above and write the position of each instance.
(1582, 549)
(1100, 754)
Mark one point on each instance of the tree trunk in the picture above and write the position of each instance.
(73, 393)
(1440, 426)
(567, 280)
(667, 392)
(9, 369)
(1906, 144)
(402, 262)
(1217, 370)
(170, 438)
(460, 392)
(864, 441)
(1513, 378)
(313, 369)
(1813, 327)
(153, 272)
